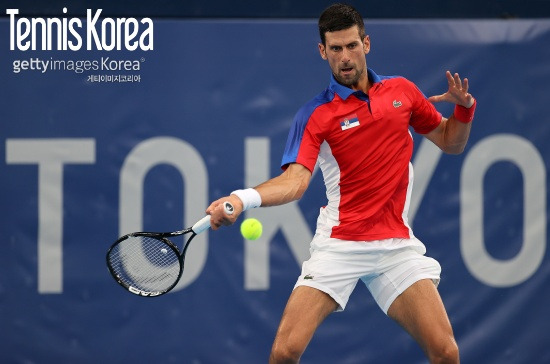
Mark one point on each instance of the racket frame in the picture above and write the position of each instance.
(162, 237)
(200, 226)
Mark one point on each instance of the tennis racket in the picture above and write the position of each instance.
(148, 264)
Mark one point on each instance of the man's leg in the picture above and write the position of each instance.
(305, 310)
(420, 311)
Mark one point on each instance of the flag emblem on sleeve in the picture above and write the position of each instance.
(349, 123)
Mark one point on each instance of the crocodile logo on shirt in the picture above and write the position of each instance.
(396, 103)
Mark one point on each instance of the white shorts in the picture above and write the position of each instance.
(387, 267)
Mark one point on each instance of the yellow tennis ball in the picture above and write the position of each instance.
(251, 229)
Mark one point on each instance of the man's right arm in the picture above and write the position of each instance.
(288, 186)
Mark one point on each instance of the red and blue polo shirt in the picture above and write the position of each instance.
(363, 146)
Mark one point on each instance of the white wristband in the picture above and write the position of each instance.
(250, 198)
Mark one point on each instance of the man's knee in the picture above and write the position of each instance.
(444, 352)
(283, 354)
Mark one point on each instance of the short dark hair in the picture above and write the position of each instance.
(339, 17)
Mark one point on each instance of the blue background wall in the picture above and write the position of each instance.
(394, 9)
(210, 114)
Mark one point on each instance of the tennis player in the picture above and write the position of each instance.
(358, 131)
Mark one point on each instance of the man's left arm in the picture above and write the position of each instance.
(452, 133)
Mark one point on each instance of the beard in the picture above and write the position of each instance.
(349, 79)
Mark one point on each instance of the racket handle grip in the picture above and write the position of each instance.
(201, 225)
(204, 223)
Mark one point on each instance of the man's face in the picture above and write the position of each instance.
(345, 52)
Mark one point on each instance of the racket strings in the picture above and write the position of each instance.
(145, 263)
